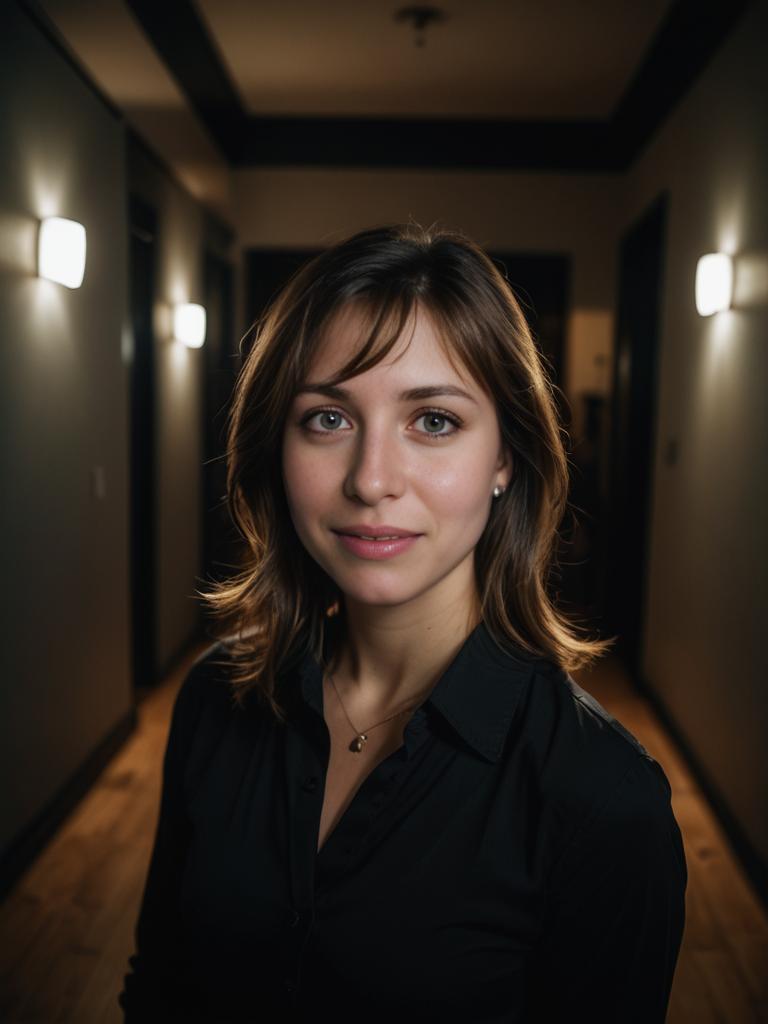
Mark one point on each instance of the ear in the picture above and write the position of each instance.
(504, 467)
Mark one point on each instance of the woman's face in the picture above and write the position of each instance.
(373, 458)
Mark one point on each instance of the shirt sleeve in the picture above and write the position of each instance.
(616, 911)
(156, 989)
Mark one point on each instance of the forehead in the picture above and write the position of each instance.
(420, 348)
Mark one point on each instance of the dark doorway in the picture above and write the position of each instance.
(220, 540)
(541, 283)
(633, 429)
(266, 271)
(143, 235)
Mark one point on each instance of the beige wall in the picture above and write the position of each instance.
(65, 680)
(707, 608)
(566, 213)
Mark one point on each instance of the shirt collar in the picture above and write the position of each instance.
(477, 694)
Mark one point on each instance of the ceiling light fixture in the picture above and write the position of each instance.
(420, 17)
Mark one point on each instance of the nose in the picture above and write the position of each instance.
(377, 469)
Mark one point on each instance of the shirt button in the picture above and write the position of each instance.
(293, 918)
(310, 783)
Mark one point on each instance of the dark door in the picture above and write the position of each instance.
(143, 231)
(633, 428)
(220, 540)
(541, 283)
(266, 271)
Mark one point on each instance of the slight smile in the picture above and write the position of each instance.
(379, 546)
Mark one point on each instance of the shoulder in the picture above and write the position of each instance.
(589, 766)
(581, 713)
(204, 686)
(559, 709)
(208, 670)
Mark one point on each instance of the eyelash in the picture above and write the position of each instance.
(457, 423)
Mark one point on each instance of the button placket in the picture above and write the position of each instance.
(304, 781)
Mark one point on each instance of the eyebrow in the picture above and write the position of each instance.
(411, 395)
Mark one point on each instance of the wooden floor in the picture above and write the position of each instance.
(66, 930)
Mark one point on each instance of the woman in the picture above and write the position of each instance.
(383, 794)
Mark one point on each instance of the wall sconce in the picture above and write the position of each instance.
(61, 251)
(714, 283)
(189, 324)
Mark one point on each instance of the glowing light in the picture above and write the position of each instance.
(189, 324)
(714, 283)
(61, 251)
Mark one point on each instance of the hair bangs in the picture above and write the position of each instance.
(385, 318)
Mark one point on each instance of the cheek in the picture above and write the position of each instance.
(307, 482)
(459, 489)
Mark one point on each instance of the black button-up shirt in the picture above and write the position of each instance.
(516, 860)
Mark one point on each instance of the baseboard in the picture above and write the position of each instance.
(24, 849)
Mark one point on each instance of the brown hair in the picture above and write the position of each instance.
(281, 602)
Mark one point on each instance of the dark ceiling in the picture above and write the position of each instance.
(685, 40)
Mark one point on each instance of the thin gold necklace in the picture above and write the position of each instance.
(361, 737)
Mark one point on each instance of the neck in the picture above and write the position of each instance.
(394, 656)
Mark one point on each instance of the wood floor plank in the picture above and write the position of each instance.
(66, 929)
(689, 1001)
(725, 986)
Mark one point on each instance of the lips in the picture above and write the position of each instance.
(378, 549)
(375, 532)
(366, 536)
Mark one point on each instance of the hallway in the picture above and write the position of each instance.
(167, 169)
(66, 930)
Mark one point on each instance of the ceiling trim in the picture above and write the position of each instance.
(686, 40)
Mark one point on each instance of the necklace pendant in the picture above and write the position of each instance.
(357, 743)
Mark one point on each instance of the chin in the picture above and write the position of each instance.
(379, 593)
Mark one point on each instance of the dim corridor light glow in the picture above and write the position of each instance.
(61, 251)
(714, 283)
(189, 324)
